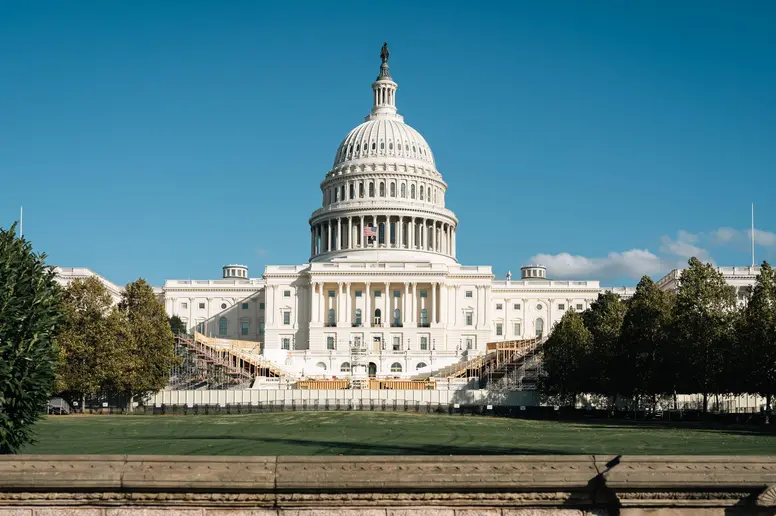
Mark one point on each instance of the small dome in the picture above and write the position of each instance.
(383, 137)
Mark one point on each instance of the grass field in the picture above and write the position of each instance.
(353, 433)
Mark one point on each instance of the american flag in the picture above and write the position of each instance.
(370, 231)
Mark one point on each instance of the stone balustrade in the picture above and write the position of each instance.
(117, 485)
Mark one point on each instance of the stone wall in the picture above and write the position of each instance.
(115, 485)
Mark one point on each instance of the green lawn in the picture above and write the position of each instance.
(359, 433)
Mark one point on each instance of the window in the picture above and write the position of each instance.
(424, 343)
(202, 306)
(396, 317)
(342, 193)
(517, 329)
(378, 314)
(412, 191)
(469, 318)
(396, 367)
(499, 329)
(371, 189)
(286, 293)
(329, 342)
(382, 189)
(332, 318)
(579, 306)
(423, 293)
(345, 367)
(245, 306)
(469, 293)
(396, 343)
(222, 326)
(286, 317)
(377, 293)
(424, 318)
(358, 317)
(393, 189)
(396, 293)
(469, 343)
(201, 327)
(539, 306)
(223, 306)
(244, 326)
(261, 328)
(321, 365)
(499, 306)
(539, 325)
(361, 190)
(358, 293)
(516, 306)
(331, 293)
(184, 306)
(336, 195)
(420, 365)
(352, 192)
(561, 306)
(403, 190)
(261, 306)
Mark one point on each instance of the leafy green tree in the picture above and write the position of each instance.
(704, 316)
(604, 322)
(757, 338)
(565, 360)
(88, 343)
(177, 325)
(647, 365)
(149, 347)
(30, 312)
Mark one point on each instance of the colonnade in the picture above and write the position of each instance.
(379, 304)
(391, 231)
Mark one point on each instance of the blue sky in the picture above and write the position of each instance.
(605, 139)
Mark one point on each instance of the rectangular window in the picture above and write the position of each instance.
(245, 306)
(261, 328)
(516, 306)
(396, 343)
(424, 343)
(331, 293)
(469, 343)
(469, 293)
(396, 293)
(377, 293)
(202, 306)
(517, 329)
(358, 293)
(499, 306)
(286, 293)
(579, 306)
(286, 317)
(286, 343)
(329, 342)
(261, 306)
(422, 293)
(468, 318)
(184, 305)
(561, 306)
(201, 327)
(244, 326)
(499, 329)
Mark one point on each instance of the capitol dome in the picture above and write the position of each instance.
(383, 199)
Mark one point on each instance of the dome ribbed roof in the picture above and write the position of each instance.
(383, 137)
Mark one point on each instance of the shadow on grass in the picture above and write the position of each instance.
(354, 448)
(698, 426)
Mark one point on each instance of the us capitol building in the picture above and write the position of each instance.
(382, 275)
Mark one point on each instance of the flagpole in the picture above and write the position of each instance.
(753, 235)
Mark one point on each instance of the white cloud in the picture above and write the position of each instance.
(684, 247)
(764, 238)
(632, 264)
(724, 235)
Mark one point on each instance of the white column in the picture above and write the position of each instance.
(350, 233)
(453, 253)
(348, 307)
(361, 236)
(368, 307)
(400, 233)
(506, 319)
(321, 303)
(387, 309)
(312, 240)
(339, 233)
(444, 293)
(433, 318)
(295, 320)
(413, 301)
(405, 302)
(339, 303)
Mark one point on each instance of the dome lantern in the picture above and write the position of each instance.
(384, 90)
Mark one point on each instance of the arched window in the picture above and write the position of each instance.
(332, 317)
(222, 326)
(396, 367)
(378, 315)
(358, 317)
(421, 192)
(420, 365)
(358, 147)
(424, 318)
(352, 191)
(373, 145)
(393, 189)
(336, 195)
(403, 190)
(399, 146)
(382, 145)
(321, 365)
(371, 189)
(345, 367)
(382, 189)
(342, 193)
(361, 190)
(396, 317)
(539, 327)
(412, 191)
(390, 146)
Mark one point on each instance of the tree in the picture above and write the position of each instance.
(30, 312)
(88, 343)
(757, 337)
(646, 363)
(703, 325)
(149, 346)
(177, 325)
(565, 359)
(604, 321)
